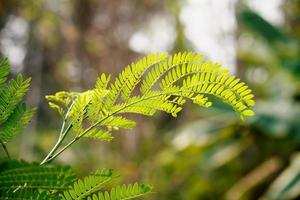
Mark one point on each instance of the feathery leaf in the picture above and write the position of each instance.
(166, 82)
(124, 192)
(4, 70)
(87, 186)
(33, 176)
(16, 122)
(11, 94)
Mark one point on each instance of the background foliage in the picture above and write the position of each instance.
(194, 157)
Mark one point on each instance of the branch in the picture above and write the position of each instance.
(63, 133)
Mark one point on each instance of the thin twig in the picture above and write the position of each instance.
(5, 149)
(56, 146)
(63, 133)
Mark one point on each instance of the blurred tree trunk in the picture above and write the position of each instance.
(33, 67)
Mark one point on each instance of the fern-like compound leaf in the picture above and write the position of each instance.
(89, 185)
(16, 122)
(102, 81)
(78, 110)
(124, 192)
(96, 107)
(118, 122)
(131, 76)
(26, 195)
(11, 94)
(101, 134)
(4, 70)
(164, 83)
(36, 177)
(167, 65)
(61, 101)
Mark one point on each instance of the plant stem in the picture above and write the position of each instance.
(63, 133)
(5, 149)
(58, 143)
(50, 158)
(69, 144)
(91, 127)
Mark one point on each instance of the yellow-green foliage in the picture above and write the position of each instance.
(124, 192)
(157, 82)
(83, 188)
(90, 188)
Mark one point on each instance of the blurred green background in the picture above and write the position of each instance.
(201, 154)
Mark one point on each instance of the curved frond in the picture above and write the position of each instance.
(11, 94)
(118, 122)
(101, 134)
(61, 101)
(14, 114)
(131, 76)
(102, 81)
(124, 192)
(97, 107)
(165, 83)
(16, 122)
(33, 176)
(26, 195)
(89, 185)
(78, 110)
(172, 63)
(4, 70)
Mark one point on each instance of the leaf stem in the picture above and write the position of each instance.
(63, 133)
(94, 125)
(5, 149)
(116, 112)
(57, 144)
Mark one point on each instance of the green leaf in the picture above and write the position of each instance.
(4, 70)
(118, 122)
(87, 186)
(131, 76)
(124, 192)
(33, 176)
(26, 195)
(78, 111)
(61, 101)
(156, 82)
(100, 134)
(16, 122)
(10, 95)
